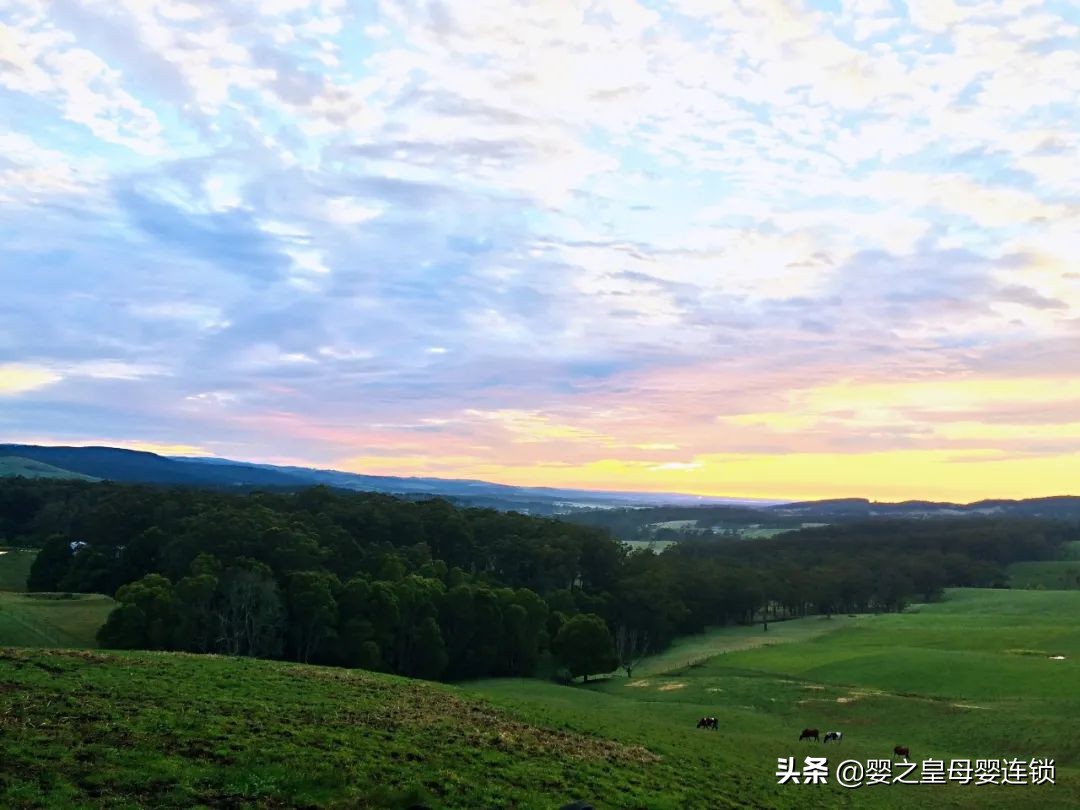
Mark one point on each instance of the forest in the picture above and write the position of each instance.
(431, 590)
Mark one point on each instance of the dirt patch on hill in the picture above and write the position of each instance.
(475, 725)
(671, 687)
(638, 684)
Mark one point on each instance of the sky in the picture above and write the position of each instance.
(753, 248)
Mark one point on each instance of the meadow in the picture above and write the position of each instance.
(15, 567)
(970, 677)
(52, 620)
(45, 619)
(982, 674)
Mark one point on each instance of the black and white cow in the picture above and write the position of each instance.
(833, 735)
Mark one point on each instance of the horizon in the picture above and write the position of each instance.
(784, 252)
(728, 499)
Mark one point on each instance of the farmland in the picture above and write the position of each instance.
(970, 677)
(15, 567)
(45, 619)
(52, 620)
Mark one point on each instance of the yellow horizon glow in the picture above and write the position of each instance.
(957, 476)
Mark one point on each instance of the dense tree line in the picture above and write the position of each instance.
(427, 589)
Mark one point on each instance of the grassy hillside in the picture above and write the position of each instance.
(11, 466)
(968, 678)
(175, 730)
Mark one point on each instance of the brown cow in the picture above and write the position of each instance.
(809, 734)
(900, 751)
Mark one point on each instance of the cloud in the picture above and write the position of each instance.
(18, 379)
(608, 242)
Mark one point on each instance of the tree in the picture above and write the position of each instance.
(585, 647)
(429, 653)
(418, 600)
(196, 627)
(50, 565)
(146, 617)
(250, 616)
(313, 612)
(631, 645)
(369, 616)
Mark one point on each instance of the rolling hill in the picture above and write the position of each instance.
(17, 466)
(984, 675)
(133, 466)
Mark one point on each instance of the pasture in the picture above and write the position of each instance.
(1061, 574)
(52, 620)
(178, 730)
(1045, 574)
(15, 567)
(45, 619)
(690, 650)
(972, 677)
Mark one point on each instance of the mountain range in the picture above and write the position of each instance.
(136, 466)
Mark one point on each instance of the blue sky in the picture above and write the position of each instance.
(679, 244)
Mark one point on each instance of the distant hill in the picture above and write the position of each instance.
(17, 466)
(1062, 507)
(645, 508)
(133, 466)
(682, 522)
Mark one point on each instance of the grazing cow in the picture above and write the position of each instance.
(833, 735)
(809, 734)
(709, 722)
(900, 751)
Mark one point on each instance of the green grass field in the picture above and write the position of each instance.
(1071, 550)
(15, 567)
(971, 677)
(1048, 574)
(1062, 574)
(50, 620)
(690, 650)
(42, 619)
